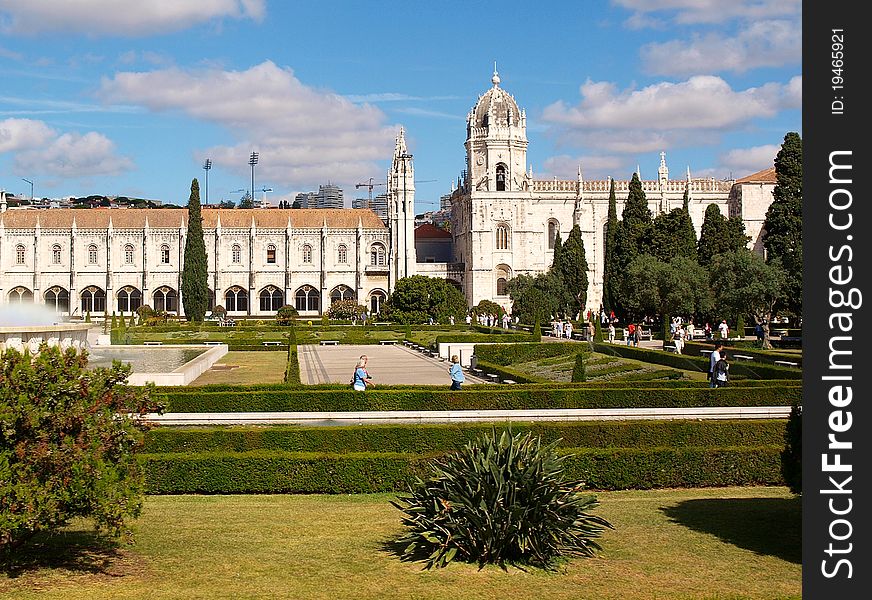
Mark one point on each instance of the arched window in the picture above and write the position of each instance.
(503, 273)
(271, 254)
(19, 254)
(342, 254)
(58, 298)
(502, 236)
(165, 299)
(92, 254)
(236, 299)
(553, 231)
(56, 254)
(236, 254)
(501, 178)
(307, 254)
(306, 298)
(377, 254)
(20, 295)
(129, 299)
(93, 300)
(128, 254)
(271, 298)
(341, 292)
(164, 254)
(376, 300)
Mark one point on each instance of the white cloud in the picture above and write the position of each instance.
(772, 43)
(708, 11)
(744, 161)
(20, 134)
(74, 155)
(304, 136)
(106, 17)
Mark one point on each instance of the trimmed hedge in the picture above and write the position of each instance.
(765, 356)
(509, 354)
(483, 338)
(507, 372)
(276, 472)
(698, 363)
(423, 439)
(257, 348)
(497, 397)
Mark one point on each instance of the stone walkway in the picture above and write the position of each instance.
(388, 365)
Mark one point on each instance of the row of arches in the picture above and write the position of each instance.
(165, 299)
(503, 235)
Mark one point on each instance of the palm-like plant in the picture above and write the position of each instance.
(499, 500)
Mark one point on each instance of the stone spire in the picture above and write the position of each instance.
(496, 78)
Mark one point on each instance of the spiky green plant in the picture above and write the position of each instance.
(578, 371)
(500, 499)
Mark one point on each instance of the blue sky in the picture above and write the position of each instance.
(123, 97)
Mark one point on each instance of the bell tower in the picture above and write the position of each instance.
(401, 211)
(496, 142)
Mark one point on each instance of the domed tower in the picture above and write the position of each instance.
(496, 142)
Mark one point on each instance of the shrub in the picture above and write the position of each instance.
(144, 312)
(88, 317)
(345, 310)
(791, 456)
(487, 307)
(578, 373)
(286, 315)
(219, 311)
(499, 500)
(66, 444)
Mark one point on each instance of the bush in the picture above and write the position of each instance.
(499, 500)
(487, 307)
(578, 373)
(346, 310)
(286, 315)
(791, 456)
(66, 444)
(144, 312)
(219, 311)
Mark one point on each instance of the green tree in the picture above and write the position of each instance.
(67, 444)
(782, 227)
(719, 235)
(535, 298)
(672, 235)
(246, 201)
(578, 372)
(417, 298)
(297, 204)
(487, 307)
(677, 287)
(609, 252)
(631, 238)
(744, 284)
(195, 277)
(570, 266)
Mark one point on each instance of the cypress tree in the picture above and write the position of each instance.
(671, 235)
(195, 283)
(578, 372)
(558, 249)
(571, 268)
(631, 237)
(609, 254)
(783, 225)
(719, 235)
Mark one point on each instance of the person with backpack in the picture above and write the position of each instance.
(361, 379)
(722, 369)
(456, 373)
(714, 358)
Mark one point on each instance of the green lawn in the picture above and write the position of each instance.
(701, 543)
(251, 367)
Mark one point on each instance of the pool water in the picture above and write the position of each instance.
(145, 360)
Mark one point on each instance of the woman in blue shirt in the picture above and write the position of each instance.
(362, 380)
(456, 373)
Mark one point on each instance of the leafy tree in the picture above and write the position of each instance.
(345, 310)
(535, 298)
(487, 307)
(297, 204)
(246, 201)
(578, 372)
(570, 266)
(672, 235)
(631, 237)
(782, 236)
(67, 444)
(227, 204)
(417, 298)
(677, 287)
(195, 277)
(719, 235)
(500, 499)
(609, 272)
(744, 284)
(284, 315)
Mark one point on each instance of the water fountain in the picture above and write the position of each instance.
(26, 326)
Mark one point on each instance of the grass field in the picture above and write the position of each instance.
(251, 367)
(736, 543)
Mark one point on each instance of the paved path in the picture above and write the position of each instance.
(460, 416)
(388, 365)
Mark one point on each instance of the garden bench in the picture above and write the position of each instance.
(706, 352)
(646, 335)
(669, 348)
(493, 377)
(212, 343)
(743, 357)
(509, 381)
(381, 323)
(271, 343)
(152, 343)
(329, 342)
(387, 342)
(786, 363)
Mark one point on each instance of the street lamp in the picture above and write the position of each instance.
(31, 188)
(206, 167)
(265, 190)
(252, 160)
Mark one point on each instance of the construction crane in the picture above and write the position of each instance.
(371, 185)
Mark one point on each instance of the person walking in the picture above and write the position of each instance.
(637, 335)
(714, 357)
(722, 370)
(568, 330)
(724, 329)
(362, 378)
(611, 333)
(631, 333)
(690, 331)
(679, 339)
(456, 373)
(708, 332)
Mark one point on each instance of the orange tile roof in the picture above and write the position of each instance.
(161, 218)
(764, 176)
(428, 231)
